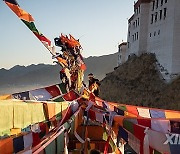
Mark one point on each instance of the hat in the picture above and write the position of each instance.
(90, 75)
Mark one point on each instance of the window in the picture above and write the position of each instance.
(153, 5)
(136, 11)
(129, 34)
(137, 36)
(139, 9)
(134, 24)
(133, 37)
(157, 3)
(165, 1)
(158, 32)
(128, 44)
(160, 16)
(165, 12)
(150, 34)
(138, 21)
(152, 18)
(155, 33)
(162, 2)
(156, 16)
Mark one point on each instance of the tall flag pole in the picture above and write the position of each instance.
(71, 60)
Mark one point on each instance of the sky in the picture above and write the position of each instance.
(99, 24)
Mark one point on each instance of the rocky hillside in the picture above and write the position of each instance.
(139, 82)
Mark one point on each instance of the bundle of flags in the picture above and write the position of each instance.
(20, 115)
(144, 129)
(56, 118)
(71, 60)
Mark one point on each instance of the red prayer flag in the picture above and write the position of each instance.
(53, 90)
(70, 96)
(42, 38)
(139, 133)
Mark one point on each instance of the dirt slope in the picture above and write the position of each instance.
(138, 82)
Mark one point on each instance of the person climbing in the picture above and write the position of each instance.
(94, 84)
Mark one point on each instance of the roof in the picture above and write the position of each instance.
(123, 43)
(136, 5)
(131, 18)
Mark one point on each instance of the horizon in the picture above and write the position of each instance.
(100, 29)
(48, 63)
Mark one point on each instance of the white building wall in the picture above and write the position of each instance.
(122, 53)
(176, 40)
(133, 42)
(161, 37)
(139, 32)
(143, 33)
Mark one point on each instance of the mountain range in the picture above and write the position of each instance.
(21, 78)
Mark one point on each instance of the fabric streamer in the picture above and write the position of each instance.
(146, 142)
(6, 146)
(107, 145)
(134, 142)
(28, 140)
(65, 143)
(18, 144)
(143, 112)
(161, 125)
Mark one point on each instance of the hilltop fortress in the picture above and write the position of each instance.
(154, 28)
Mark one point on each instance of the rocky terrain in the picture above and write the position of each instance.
(139, 82)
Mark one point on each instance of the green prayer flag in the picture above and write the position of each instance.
(63, 88)
(72, 124)
(128, 125)
(31, 26)
(105, 136)
(111, 143)
(60, 143)
(60, 99)
(51, 148)
(122, 107)
(67, 125)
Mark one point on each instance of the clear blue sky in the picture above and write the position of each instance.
(100, 25)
